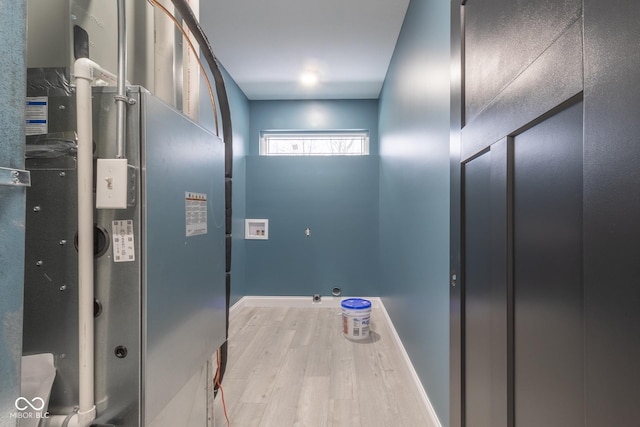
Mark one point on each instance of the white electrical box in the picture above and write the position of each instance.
(256, 229)
(111, 184)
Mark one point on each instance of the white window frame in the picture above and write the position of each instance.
(306, 140)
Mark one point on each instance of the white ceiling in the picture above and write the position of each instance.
(267, 44)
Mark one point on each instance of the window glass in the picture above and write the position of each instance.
(342, 143)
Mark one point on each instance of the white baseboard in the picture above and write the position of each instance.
(423, 394)
(298, 302)
(334, 302)
(237, 306)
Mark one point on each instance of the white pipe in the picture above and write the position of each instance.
(91, 70)
(84, 78)
(71, 420)
(85, 71)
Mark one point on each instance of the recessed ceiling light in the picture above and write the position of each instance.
(309, 78)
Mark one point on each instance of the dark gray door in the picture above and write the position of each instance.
(522, 257)
(478, 304)
(485, 297)
(572, 295)
(547, 273)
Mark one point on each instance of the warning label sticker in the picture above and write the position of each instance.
(36, 115)
(123, 246)
(195, 213)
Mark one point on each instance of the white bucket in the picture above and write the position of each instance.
(356, 315)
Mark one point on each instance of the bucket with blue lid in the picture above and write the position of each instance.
(356, 316)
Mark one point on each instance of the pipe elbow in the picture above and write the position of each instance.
(79, 419)
(83, 68)
(86, 418)
(86, 69)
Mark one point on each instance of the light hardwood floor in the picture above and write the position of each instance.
(291, 367)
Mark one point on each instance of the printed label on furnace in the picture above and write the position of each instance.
(36, 115)
(195, 213)
(123, 244)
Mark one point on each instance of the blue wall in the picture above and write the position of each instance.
(414, 194)
(239, 105)
(240, 124)
(336, 197)
(311, 115)
(379, 224)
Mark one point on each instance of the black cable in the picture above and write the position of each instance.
(189, 18)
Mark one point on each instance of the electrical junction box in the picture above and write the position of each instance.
(111, 184)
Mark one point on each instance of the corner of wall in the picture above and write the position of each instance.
(414, 132)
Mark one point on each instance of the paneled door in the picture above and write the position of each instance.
(545, 238)
(522, 258)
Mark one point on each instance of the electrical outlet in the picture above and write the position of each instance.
(111, 184)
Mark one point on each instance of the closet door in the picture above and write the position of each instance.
(523, 299)
(485, 296)
(547, 273)
(517, 322)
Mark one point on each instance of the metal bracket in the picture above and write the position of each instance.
(15, 177)
(126, 99)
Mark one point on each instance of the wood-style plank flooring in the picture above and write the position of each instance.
(291, 367)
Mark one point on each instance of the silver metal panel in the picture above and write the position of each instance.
(184, 277)
(12, 200)
(51, 267)
(50, 291)
(118, 288)
(174, 290)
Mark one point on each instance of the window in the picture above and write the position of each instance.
(314, 143)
